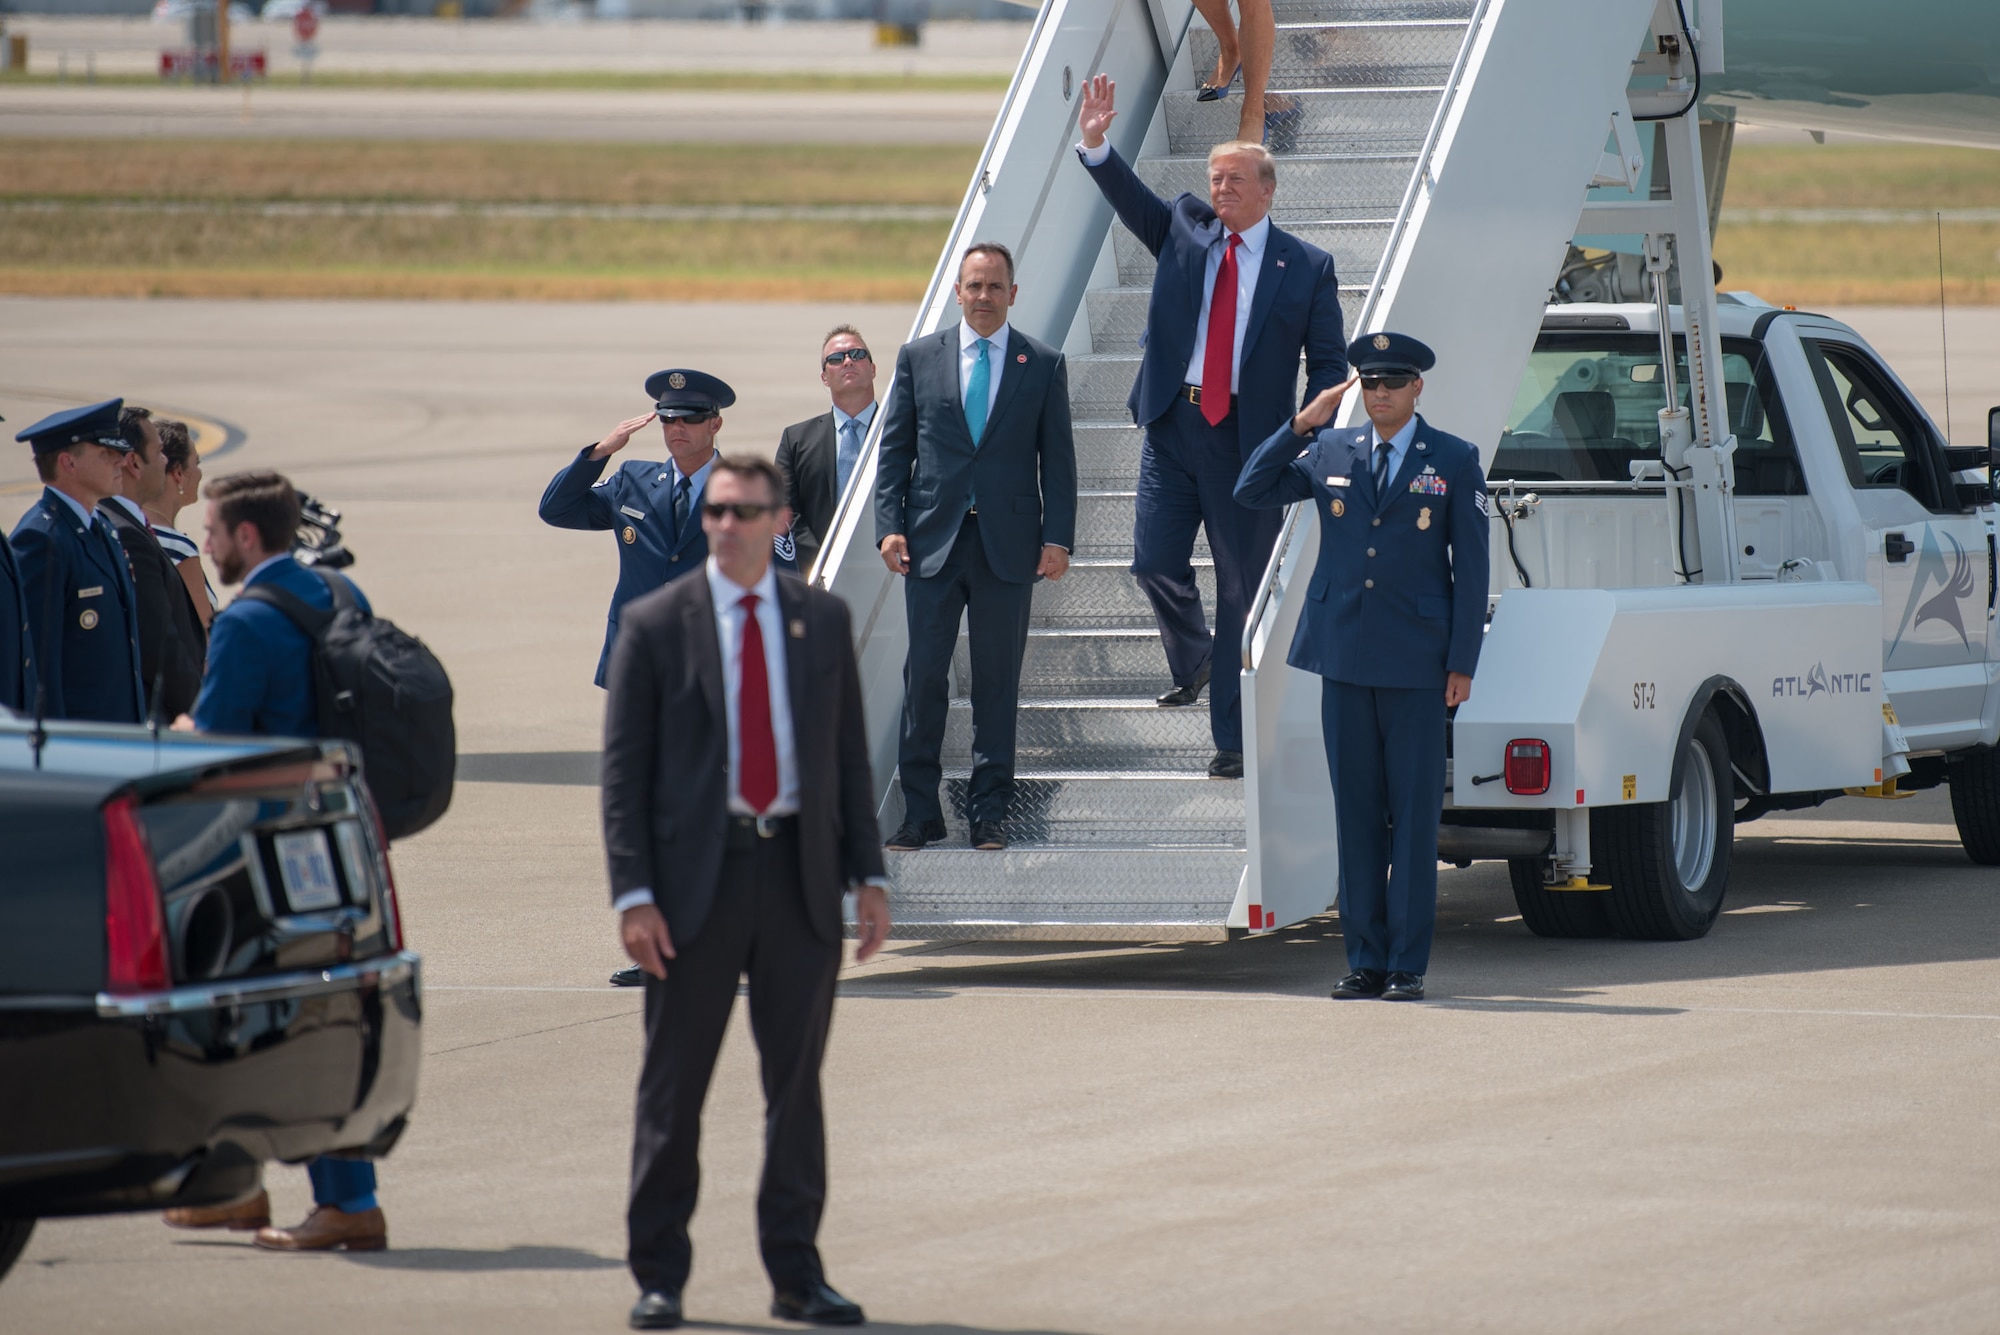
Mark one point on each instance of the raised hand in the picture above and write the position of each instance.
(619, 434)
(1324, 405)
(1098, 110)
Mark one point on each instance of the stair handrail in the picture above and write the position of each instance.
(1268, 586)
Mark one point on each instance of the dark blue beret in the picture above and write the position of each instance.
(96, 424)
(1389, 354)
(677, 392)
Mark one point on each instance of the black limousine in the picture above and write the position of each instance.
(201, 968)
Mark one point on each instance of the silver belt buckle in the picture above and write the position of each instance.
(767, 827)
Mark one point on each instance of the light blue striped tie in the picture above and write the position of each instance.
(977, 390)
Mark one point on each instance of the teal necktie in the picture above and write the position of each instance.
(977, 389)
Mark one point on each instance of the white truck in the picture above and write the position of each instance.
(1637, 697)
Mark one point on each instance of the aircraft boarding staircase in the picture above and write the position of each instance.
(1440, 150)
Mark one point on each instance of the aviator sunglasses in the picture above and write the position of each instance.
(1386, 381)
(689, 419)
(847, 355)
(745, 511)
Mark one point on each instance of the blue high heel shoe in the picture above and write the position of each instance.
(1208, 92)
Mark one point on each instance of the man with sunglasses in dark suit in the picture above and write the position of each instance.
(818, 456)
(1392, 623)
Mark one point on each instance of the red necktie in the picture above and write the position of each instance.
(1219, 358)
(757, 749)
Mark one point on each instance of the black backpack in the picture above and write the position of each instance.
(384, 691)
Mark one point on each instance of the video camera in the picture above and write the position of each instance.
(318, 541)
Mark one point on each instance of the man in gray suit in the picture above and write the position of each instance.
(975, 499)
(738, 808)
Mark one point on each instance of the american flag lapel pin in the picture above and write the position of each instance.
(1281, 264)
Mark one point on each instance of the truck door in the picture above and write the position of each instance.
(1927, 552)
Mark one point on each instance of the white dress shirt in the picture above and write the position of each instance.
(1399, 447)
(996, 362)
(132, 508)
(864, 417)
(1249, 259)
(76, 506)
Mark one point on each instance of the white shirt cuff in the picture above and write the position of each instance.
(632, 899)
(1095, 157)
(883, 886)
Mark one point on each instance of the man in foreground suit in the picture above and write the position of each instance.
(738, 808)
(1235, 300)
(1392, 624)
(817, 456)
(172, 643)
(975, 499)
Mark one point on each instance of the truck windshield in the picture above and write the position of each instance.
(1589, 405)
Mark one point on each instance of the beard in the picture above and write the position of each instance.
(229, 567)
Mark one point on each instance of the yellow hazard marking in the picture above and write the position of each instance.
(1578, 883)
(1883, 790)
(1888, 713)
(1631, 786)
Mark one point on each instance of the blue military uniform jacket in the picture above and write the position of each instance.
(17, 640)
(637, 502)
(260, 677)
(84, 614)
(1398, 597)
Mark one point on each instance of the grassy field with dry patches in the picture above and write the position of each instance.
(104, 217)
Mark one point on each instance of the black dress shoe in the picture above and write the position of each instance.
(817, 1303)
(988, 836)
(914, 836)
(657, 1310)
(1226, 765)
(629, 976)
(1358, 984)
(1404, 987)
(1184, 695)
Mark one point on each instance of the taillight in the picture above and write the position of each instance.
(392, 911)
(1527, 766)
(135, 929)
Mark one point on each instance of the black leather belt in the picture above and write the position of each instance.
(1193, 395)
(747, 832)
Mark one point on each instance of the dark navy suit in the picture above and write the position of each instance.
(637, 502)
(260, 681)
(1397, 601)
(84, 612)
(17, 639)
(1187, 468)
(1022, 473)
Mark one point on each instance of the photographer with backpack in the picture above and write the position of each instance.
(299, 653)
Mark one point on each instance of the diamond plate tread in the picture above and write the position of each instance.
(1099, 384)
(1058, 884)
(1104, 523)
(1107, 455)
(1118, 314)
(1311, 186)
(1356, 247)
(1100, 591)
(1080, 733)
(1120, 810)
(1372, 55)
(1372, 11)
(1126, 660)
(1330, 120)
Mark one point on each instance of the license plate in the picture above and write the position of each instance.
(306, 866)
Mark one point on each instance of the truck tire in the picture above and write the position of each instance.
(1975, 803)
(1668, 862)
(14, 1235)
(1563, 913)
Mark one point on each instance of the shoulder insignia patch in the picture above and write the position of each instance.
(1484, 502)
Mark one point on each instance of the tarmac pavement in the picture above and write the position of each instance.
(1789, 1125)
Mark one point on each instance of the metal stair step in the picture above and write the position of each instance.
(967, 894)
(1344, 55)
(1107, 454)
(1101, 592)
(1126, 660)
(1106, 809)
(1356, 247)
(1076, 733)
(1330, 120)
(1371, 11)
(1104, 522)
(1118, 314)
(1311, 186)
(1099, 384)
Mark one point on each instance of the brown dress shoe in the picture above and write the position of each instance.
(253, 1211)
(329, 1229)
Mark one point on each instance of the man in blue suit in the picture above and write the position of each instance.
(1235, 301)
(81, 606)
(17, 638)
(1392, 624)
(655, 508)
(975, 499)
(260, 681)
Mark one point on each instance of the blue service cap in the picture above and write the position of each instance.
(96, 424)
(680, 392)
(1389, 354)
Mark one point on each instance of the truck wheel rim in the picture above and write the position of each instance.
(1694, 819)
